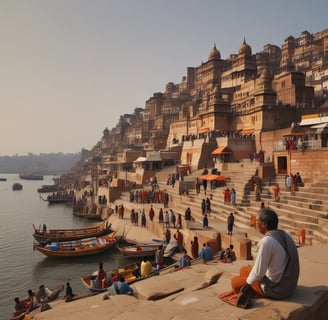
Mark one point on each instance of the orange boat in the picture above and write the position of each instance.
(77, 248)
(55, 235)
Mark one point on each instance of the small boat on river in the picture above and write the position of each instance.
(138, 250)
(17, 186)
(52, 235)
(47, 188)
(31, 176)
(130, 273)
(77, 248)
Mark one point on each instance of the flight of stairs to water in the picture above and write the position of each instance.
(307, 209)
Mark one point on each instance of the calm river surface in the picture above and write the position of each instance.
(21, 268)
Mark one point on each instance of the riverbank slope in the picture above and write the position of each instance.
(190, 293)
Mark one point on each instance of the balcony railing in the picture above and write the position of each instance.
(309, 144)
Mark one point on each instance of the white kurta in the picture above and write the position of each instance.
(271, 261)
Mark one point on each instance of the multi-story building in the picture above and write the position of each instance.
(245, 94)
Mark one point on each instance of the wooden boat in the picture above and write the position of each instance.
(53, 235)
(138, 250)
(17, 186)
(77, 248)
(47, 188)
(59, 197)
(58, 200)
(31, 176)
(130, 273)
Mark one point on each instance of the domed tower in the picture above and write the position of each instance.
(105, 140)
(214, 54)
(245, 49)
(264, 82)
(244, 64)
(106, 132)
(265, 95)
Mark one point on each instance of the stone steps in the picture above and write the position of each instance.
(307, 209)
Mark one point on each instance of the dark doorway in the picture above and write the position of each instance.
(282, 165)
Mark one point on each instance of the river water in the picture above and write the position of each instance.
(21, 267)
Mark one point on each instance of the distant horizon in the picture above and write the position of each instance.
(45, 164)
(69, 71)
(41, 153)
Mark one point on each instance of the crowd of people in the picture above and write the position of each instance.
(144, 196)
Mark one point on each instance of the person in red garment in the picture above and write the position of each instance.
(101, 276)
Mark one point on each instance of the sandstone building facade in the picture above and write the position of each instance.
(227, 101)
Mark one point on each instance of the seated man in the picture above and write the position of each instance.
(206, 253)
(69, 293)
(101, 277)
(230, 254)
(45, 295)
(122, 287)
(19, 307)
(32, 301)
(276, 269)
(184, 260)
(145, 267)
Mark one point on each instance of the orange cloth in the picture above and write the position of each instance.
(238, 281)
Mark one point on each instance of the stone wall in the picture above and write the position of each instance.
(311, 164)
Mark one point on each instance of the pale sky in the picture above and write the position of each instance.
(70, 68)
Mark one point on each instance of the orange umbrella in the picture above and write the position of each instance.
(212, 177)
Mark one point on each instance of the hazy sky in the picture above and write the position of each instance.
(70, 68)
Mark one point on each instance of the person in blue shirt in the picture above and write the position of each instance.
(206, 253)
(184, 260)
(122, 287)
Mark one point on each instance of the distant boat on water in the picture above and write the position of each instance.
(3, 179)
(31, 176)
(46, 188)
(17, 186)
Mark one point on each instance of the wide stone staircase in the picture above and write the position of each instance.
(306, 210)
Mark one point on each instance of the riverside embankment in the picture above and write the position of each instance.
(190, 293)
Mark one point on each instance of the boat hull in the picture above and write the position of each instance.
(78, 248)
(30, 177)
(55, 235)
(138, 251)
